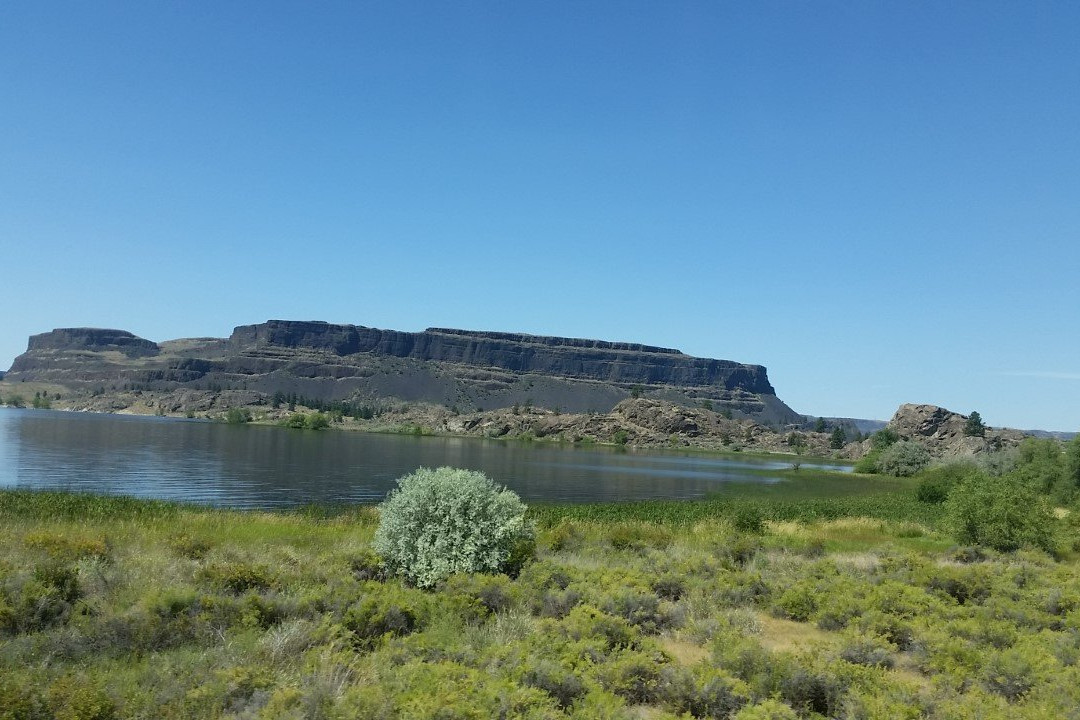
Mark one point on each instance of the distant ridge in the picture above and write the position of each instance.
(445, 366)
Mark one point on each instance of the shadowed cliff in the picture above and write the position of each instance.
(458, 368)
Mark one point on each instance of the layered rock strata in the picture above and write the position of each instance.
(455, 368)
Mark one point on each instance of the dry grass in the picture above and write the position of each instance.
(683, 651)
(778, 634)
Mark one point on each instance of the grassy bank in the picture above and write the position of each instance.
(749, 606)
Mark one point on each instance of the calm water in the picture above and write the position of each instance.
(255, 466)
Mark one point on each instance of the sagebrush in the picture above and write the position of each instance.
(446, 521)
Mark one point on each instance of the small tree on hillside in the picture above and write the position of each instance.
(838, 438)
(974, 425)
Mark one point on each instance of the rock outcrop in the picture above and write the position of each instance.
(942, 431)
(92, 339)
(460, 369)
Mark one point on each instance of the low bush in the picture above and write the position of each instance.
(22, 701)
(239, 577)
(869, 651)
(812, 691)
(1002, 513)
(565, 686)
(317, 421)
(798, 602)
(640, 609)
(748, 518)
(868, 463)
(903, 459)
(704, 691)
(387, 611)
(634, 676)
(669, 587)
(767, 710)
(1010, 673)
(446, 521)
(586, 622)
(237, 416)
(492, 594)
(639, 537)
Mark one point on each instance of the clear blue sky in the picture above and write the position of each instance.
(879, 201)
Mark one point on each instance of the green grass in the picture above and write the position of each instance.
(804, 495)
(853, 605)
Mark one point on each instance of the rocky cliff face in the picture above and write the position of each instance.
(623, 363)
(455, 368)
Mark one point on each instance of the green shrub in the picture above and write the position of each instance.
(883, 438)
(1002, 513)
(1010, 673)
(798, 602)
(237, 416)
(903, 459)
(189, 547)
(42, 601)
(1041, 465)
(669, 587)
(21, 700)
(867, 650)
(446, 521)
(868, 463)
(640, 609)
(704, 691)
(634, 676)
(366, 565)
(296, 420)
(936, 483)
(748, 518)
(388, 612)
(767, 710)
(491, 593)
(558, 682)
(317, 421)
(585, 622)
(638, 536)
(239, 577)
(813, 692)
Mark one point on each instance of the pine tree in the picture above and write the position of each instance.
(974, 425)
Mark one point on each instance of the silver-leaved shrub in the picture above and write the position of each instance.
(440, 522)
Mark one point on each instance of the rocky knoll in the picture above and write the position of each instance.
(943, 431)
(459, 369)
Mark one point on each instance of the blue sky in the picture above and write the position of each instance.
(878, 201)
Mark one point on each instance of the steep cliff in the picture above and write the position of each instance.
(623, 363)
(455, 368)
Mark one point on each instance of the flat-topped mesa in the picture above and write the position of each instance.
(93, 339)
(619, 363)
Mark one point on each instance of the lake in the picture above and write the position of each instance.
(264, 467)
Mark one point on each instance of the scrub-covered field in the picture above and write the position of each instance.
(131, 609)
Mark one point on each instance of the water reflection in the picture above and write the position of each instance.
(251, 466)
